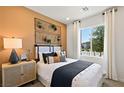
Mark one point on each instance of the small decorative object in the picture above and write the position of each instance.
(39, 25)
(58, 38)
(13, 43)
(48, 41)
(45, 39)
(23, 57)
(53, 27)
(47, 33)
(28, 54)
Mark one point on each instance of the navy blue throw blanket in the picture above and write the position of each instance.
(63, 76)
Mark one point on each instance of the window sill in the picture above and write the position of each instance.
(98, 60)
(91, 56)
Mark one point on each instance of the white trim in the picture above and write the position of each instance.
(91, 56)
(90, 38)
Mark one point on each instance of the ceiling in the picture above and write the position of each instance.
(61, 13)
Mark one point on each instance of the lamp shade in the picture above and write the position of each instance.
(12, 43)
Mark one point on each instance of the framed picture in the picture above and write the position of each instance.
(47, 33)
(23, 57)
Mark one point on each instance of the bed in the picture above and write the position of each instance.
(89, 77)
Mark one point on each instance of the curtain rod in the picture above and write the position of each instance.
(111, 11)
(76, 20)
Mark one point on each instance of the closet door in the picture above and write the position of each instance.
(12, 76)
(29, 72)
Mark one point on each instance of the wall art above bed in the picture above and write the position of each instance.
(47, 33)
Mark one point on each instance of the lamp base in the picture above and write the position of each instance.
(13, 57)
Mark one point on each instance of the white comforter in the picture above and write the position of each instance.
(91, 76)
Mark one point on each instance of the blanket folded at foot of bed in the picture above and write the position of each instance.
(63, 76)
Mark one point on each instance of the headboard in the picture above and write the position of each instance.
(45, 49)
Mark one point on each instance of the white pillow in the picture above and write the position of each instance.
(51, 60)
(61, 53)
(58, 53)
(41, 57)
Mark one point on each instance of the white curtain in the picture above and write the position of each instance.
(76, 40)
(109, 45)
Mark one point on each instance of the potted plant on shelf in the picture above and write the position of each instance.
(39, 25)
(53, 27)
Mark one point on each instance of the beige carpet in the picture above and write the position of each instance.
(112, 83)
(35, 83)
(106, 83)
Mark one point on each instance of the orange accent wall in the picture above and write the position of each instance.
(19, 22)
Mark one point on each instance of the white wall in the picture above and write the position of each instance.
(70, 40)
(93, 20)
(119, 26)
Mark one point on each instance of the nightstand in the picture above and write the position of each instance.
(18, 74)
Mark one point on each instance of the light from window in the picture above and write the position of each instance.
(92, 41)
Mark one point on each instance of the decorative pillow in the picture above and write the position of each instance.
(58, 53)
(62, 55)
(63, 59)
(50, 60)
(46, 55)
(54, 59)
(41, 57)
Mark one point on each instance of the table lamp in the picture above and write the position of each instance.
(13, 43)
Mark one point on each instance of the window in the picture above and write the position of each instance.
(92, 41)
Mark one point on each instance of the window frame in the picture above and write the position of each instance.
(91, 50)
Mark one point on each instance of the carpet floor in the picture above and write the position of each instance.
(112, 83)
(106, 83)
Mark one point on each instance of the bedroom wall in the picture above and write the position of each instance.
(92, 20)
(70, 40)
(19, 22)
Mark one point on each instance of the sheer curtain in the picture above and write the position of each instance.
(76, 40)
(109, 45)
